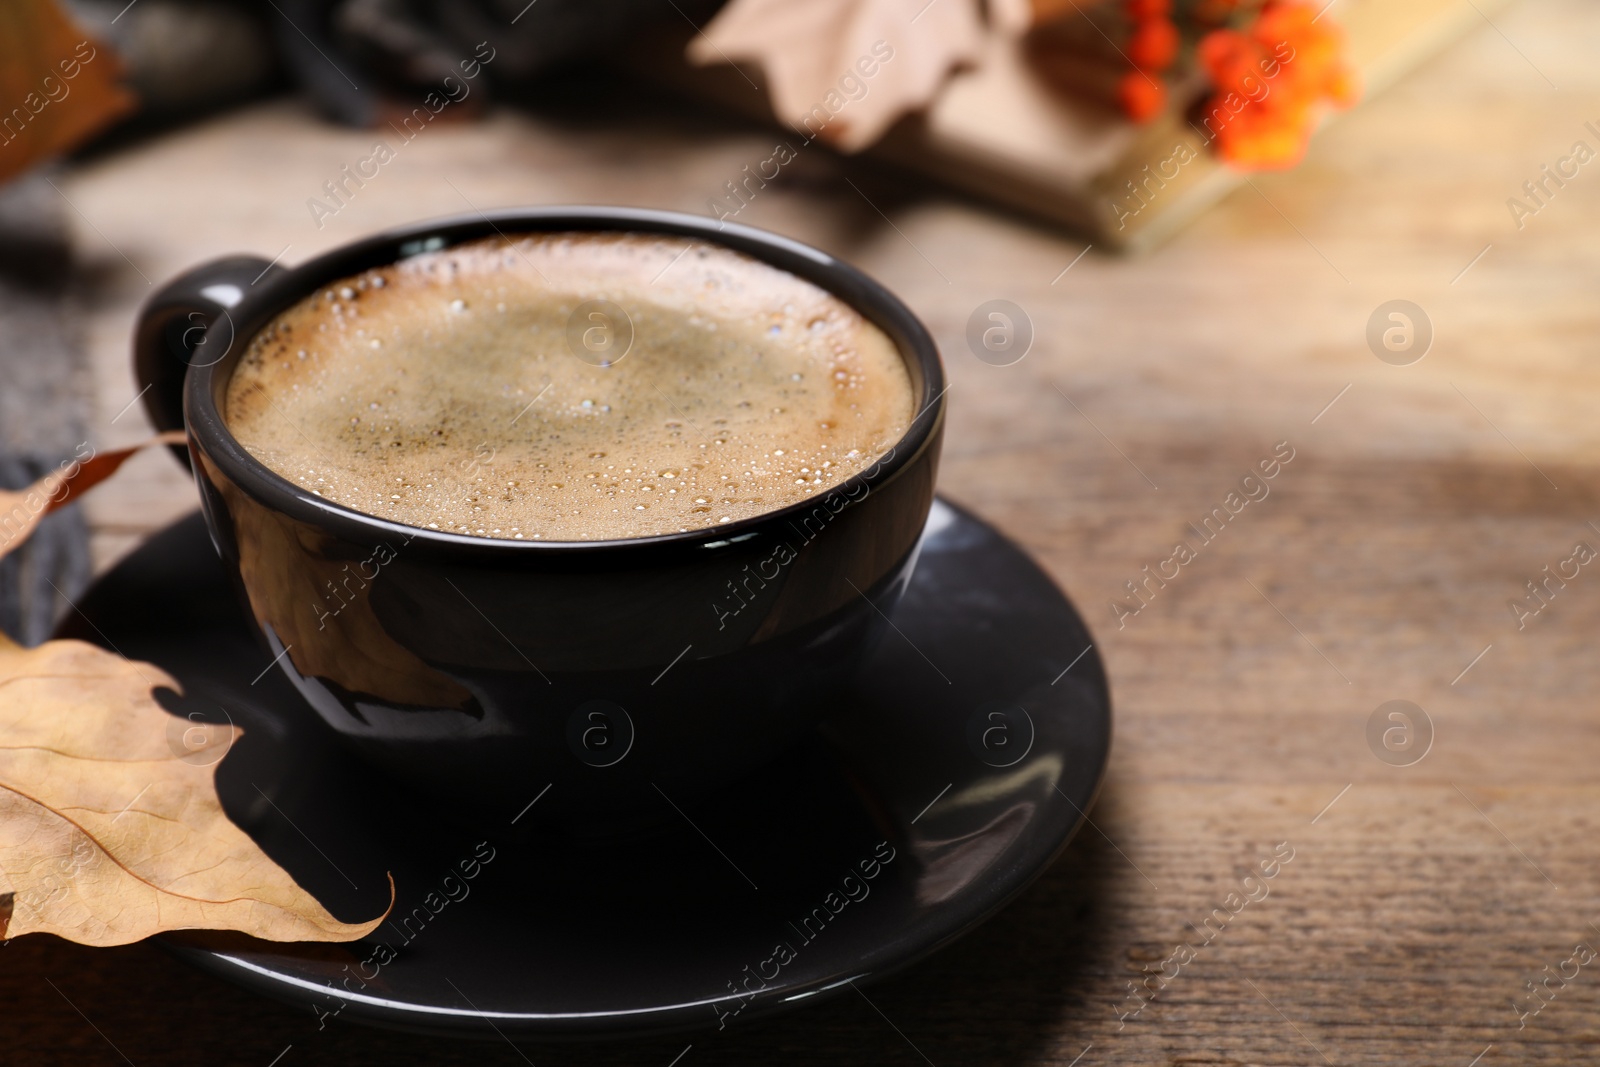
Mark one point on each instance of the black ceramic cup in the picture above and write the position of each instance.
(593, 676)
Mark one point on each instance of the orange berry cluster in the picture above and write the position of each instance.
(1271, 82)
(1273, 66)
(1152, 46)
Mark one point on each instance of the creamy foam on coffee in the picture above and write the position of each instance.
(458, 390)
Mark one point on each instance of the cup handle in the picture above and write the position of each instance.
(188, 322)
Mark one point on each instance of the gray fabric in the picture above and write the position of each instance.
(44, 391)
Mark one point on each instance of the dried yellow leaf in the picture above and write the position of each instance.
(58, 87)
(845, 70)
(107, 834)
(21, 509)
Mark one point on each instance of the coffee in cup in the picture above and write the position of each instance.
(570, 387)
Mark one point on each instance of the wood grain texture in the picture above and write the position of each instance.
(1416, 506)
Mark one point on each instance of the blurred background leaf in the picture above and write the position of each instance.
(46, 60)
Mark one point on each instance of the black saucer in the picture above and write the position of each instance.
(949, 778)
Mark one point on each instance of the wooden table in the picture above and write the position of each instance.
(1420, 499)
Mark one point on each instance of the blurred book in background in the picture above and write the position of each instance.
(1039, 117)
